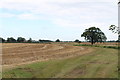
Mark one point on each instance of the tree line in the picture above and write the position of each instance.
(21, 40)
(92, 35)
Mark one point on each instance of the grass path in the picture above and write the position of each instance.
(101, 63)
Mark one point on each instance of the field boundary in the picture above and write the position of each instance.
(113, 47)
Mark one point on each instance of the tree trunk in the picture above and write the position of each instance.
(92, 41)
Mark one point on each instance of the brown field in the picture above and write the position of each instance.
(58, 60)
(23, 53)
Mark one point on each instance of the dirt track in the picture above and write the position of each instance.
(22, 53)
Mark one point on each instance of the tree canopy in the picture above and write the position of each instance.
(57, 40)
(11, 39)
(77, 41)
(115, 29)
(20, 39)
(30, 40)
(94, 35)
(2, 40)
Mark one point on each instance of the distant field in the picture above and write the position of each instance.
(58, 60)
(104, 44)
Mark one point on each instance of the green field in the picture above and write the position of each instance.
(101, 63)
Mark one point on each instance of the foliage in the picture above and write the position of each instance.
(43, 41)
(94, 35)
(2, 40)
(77, 41)
(20, 39)
(112, 47)
(11, 39)
(57, 40)
(30, 40)
(115, 29)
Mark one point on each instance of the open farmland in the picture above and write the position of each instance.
(58, 60)
(24, 53)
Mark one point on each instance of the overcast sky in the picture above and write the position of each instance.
(56, 19)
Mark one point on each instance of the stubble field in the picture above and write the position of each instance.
(58, 61)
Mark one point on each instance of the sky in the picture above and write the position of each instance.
(56, 19)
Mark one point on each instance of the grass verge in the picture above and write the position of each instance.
(101, 46)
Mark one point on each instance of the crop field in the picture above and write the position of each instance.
(58, 60)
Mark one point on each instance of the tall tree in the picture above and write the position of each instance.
(94, 35)
(2, 40)
(20, 39)
(57, 40)
(30, 40)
